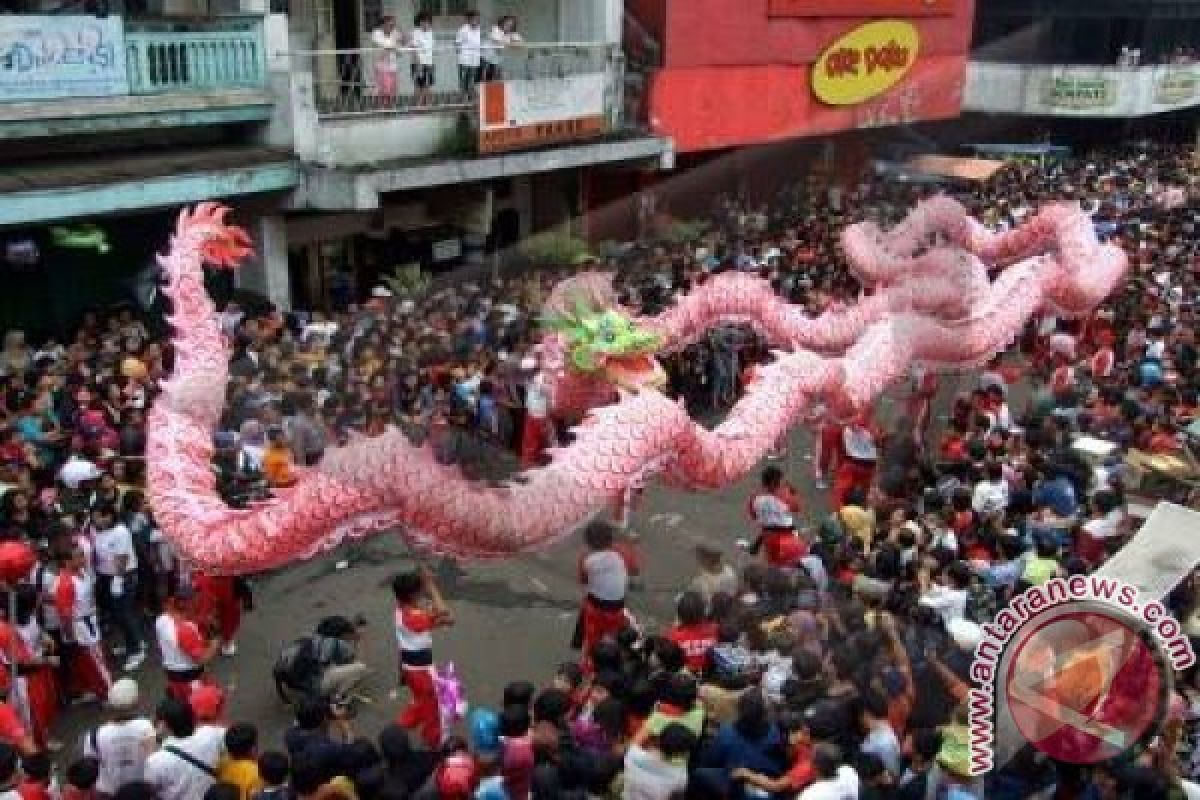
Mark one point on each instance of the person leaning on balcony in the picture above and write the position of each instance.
(469, 43)
(503, 33)
(387, 39)
(422, 41)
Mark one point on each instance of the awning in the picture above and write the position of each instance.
(966, 169)
(55, 190)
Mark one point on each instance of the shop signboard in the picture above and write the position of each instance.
(519, 114)
(49, 57)
(1176, 88)
(1078, 93)
(865, 62)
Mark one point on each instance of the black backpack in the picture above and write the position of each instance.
(298, 667)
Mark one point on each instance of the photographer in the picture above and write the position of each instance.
(325, 665)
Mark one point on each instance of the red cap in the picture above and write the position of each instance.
(207, 701)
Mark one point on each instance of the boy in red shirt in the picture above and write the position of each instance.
(420, 608)
(694, 634)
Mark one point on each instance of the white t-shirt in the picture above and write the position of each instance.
(607, 578)
(649, 777)
(990, 497)
(951, 604)
(844, 786)
(110, 545)
(423, 41)
(387, 43)
(469, 42)
(498, 39)
(172, 777)
(122, 749)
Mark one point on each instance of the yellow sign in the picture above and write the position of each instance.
(865, 62)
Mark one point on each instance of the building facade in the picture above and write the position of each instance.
(1127, 64)
(112, 119)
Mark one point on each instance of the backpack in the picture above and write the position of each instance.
(298, 666)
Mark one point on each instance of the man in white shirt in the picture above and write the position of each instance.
(469, 43)
(186, 765)
(991, 493)
(502, 34)
(659, 773)
(948, 599)
(423, 74)
(121, 745)
(116, 575)
(387, 39)
(836, 781)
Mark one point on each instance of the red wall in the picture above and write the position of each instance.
(733, 75)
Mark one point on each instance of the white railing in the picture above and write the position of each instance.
(375, 80)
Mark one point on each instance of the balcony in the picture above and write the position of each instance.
(1080, 91)
(350, 112)
(74, 75)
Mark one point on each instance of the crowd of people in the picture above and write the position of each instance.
(834, 665)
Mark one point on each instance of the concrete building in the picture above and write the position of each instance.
(1085, 69)
(111, 122)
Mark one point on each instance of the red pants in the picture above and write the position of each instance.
(829, 442)
(42, 689)
(851, 475)
(533, 440)
(422, 713)
(221, 604)
(89, 670)
(599, 623)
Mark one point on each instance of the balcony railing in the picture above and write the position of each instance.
(67, 58)
(363, 81)
(165, 58)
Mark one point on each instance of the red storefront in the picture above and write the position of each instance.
(718, 76)
(742, 72)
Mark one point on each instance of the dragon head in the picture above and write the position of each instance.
(608, 344)
(221, 244)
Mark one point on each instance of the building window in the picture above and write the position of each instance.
(445, 8)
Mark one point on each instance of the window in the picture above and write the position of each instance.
(445, 8)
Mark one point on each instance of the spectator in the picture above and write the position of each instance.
(185, 765)
(122, 745)
(240, 766)
(469, 44)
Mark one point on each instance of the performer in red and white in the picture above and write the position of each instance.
(604, 573)
(420, 608)
(536, 430)
(75, 603)
(857, 458)
(920, 402)
(828, 442)
(220, 600)
(773, 509)
(40, 667)
(182, 646)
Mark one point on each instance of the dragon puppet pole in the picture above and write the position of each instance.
(939, 307)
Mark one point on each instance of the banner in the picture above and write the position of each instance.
(519, 114)
(45, 57)
(860, 8)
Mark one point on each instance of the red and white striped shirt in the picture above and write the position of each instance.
(75, 601)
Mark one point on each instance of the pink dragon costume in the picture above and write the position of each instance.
(944, 293)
